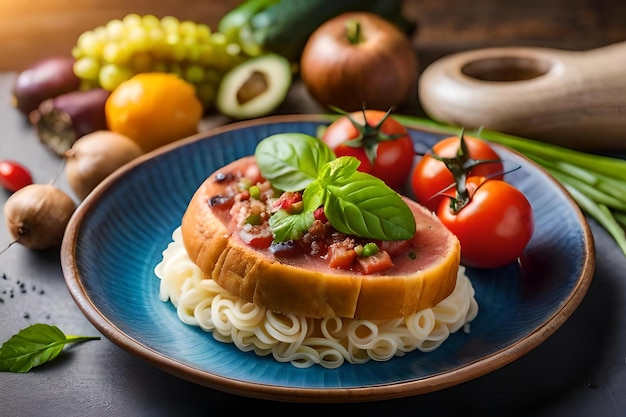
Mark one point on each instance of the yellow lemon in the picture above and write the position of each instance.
(154, 109)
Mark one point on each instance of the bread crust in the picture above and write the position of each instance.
(305, 288)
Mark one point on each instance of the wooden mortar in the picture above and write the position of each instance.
(573, 99)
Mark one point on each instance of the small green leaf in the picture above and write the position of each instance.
(313, 196)
(338, 171)
(34, 346)
(362, 205)
(288, 226)
(291, 161)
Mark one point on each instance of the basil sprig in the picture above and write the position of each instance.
(35, 345)
(355, 202)
(291, 161)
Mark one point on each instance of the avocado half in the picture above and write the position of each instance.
(254, 88)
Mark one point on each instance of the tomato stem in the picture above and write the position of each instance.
(369, 136)
(459, 166)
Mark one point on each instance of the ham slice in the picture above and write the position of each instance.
(422, 276)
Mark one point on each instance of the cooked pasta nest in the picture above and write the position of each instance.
(303, 341)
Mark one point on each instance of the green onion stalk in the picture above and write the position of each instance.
(597, 183)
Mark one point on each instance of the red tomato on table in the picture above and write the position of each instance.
(431, 176)
(494, 226)
(380, 142)
(14, 176)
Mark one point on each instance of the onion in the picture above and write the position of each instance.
(359, 60)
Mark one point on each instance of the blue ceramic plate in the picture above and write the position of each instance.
(117, 235)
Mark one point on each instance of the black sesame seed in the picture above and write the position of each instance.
(217, 200)
(221, 177)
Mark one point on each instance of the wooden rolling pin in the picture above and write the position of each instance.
(573, 99)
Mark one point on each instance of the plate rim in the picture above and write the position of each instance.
(466, 372)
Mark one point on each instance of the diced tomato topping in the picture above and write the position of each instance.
(287, 200)
(378, 262)
(244, 195)
(341, 256)
(260, 239)
(319, 214)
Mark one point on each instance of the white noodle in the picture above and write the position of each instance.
(302, 341)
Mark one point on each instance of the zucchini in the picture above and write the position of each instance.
(230, 24)
(284, 26)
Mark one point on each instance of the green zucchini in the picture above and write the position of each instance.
(284, 26)
(231, 23)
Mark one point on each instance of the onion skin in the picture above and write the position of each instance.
(95, 156)
(379, 72)
(45, 79)
(37, 215)
(62, 120)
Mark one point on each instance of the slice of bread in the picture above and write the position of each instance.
(421, 277)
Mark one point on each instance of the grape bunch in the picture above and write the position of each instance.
(113, 53)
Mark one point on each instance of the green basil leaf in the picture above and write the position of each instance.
(363, 205)
(34, 346)
(291, 161)
(287, 226)
(338, 171)
(313, 196)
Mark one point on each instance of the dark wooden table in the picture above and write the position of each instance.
(579, 371)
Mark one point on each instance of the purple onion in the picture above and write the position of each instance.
(62, 120)
(46, 79)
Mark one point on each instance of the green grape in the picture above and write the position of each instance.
(114, 30)
(114, 52)
(89, 44)
(118, 53)
(203, 33)
(132, 19)
(194, 74)
(87, 68)
(112, 75)
(139, 38)
(150, 21)
(170, 23)
(187, 28)
(176, 49)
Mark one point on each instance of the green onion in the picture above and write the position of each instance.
(254, 192)
(254, 220)
(369, 249)
(596, 183)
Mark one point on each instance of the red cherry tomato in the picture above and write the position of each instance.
(14, 176)
(393, 158)
(431, 176)
(495, 225)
